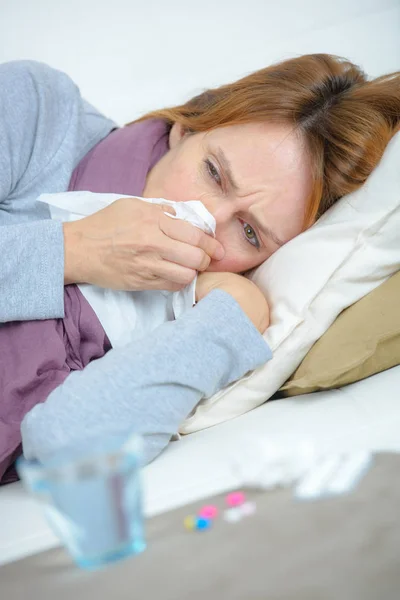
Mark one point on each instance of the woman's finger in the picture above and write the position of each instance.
(171, 276)
(189, 234)
(183, 254)
(168, 209)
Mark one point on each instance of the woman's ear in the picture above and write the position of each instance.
(176, 134)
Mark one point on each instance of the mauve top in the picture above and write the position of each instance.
(121, 161)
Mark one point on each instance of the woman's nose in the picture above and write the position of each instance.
(222, 211)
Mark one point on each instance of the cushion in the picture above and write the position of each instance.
(364, 340)
(351, 250)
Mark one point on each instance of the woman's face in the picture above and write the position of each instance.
(255, 179)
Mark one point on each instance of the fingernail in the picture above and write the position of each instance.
(219, 253)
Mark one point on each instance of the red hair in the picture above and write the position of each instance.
(345, 119)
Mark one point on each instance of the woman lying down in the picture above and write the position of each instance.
(119, 397)
(265, 156)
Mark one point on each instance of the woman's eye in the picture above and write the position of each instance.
(212, 171)
(250, 235)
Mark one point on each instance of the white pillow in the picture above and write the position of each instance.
(351, 250)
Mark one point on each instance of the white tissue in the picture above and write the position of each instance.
(126, 316)
(270, 463)
(267, 464)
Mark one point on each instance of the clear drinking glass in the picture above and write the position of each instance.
(92, 500)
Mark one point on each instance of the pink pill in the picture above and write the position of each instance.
(208, 512)
(235, 498)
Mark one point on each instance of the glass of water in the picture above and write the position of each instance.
(92, 499)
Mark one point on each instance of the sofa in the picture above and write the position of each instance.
(140, 67)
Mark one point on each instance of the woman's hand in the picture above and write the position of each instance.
(245, 292)
(133, 245)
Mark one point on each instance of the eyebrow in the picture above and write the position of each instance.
(268, 232)
(226, 165)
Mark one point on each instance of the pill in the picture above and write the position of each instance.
(235, 498)
(232, 515)
(248, 508)
(208, 512)
(202, 523)
(189, 522)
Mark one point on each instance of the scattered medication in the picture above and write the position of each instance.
(232, 515)
(235, 499)
(202, 523)
(189, 522)
(208, 512)
(248, 508)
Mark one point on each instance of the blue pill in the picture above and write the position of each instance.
(202, 523)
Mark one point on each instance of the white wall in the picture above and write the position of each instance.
(129, 56)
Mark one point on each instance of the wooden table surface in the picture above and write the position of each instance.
(345, 548)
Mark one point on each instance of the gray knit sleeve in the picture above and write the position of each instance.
(45, 129)
(151, 385)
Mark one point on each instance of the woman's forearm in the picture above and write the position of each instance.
(74, 256)
(151, 385)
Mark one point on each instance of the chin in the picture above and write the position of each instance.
(223, 266)
(212, 267)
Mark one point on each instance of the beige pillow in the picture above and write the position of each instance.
(364, 340)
